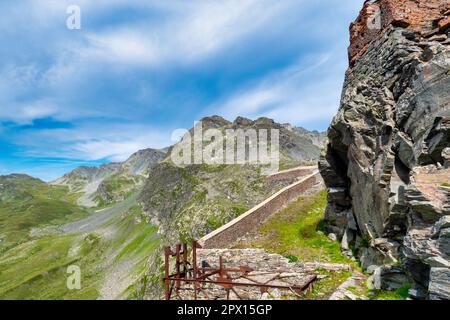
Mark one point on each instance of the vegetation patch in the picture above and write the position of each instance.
(37, 269)
(324, 288)
(297, 231)
(28, 203)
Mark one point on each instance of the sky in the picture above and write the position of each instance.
(137, 70)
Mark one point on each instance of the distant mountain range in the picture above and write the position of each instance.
(110, 183)
(99, 186)
(114, 219)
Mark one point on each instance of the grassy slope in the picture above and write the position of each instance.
(194, 200)
(30, 203)
(116, 188)
(37, 269)
(295, 232)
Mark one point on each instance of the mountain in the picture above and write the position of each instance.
(141, 205)
(298, 146)
(110, 183)
(111, 248)
(387, 163)
(188, 201)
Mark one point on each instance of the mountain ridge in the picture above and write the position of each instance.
(112, 182)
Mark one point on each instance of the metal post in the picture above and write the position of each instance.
(185, 261)
(177, 253)
(194, 266)
(166, 273)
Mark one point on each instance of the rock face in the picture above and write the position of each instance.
(386, 163)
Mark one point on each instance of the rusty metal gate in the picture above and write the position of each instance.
(187, 275)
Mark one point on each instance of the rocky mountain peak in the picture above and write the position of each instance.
(242, 121)
(214, 121)
(264, 121)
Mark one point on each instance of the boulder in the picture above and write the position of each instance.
(439, 287)
(390, 277)
(446, 157)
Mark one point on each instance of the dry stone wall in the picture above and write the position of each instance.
(248, 221)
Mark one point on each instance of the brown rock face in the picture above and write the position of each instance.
(386, 162)
(377, 15)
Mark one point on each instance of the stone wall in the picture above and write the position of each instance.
(248, 221)
(377, 15)
(291, 174)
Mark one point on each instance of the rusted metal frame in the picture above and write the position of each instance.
(254, 281)
(166, 274)
(204, 292)
(177, 266)
(237, 284)
(230, 270)
(207, 275)
(201, 276)
(185, 261)
(263, 286)
(194, 267)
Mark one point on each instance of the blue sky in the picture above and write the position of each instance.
(137, 70)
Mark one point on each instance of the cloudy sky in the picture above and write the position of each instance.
(139, 69)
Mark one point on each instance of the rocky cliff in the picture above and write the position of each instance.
(386, 163)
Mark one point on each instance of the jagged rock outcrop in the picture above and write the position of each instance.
(298, 146)
(386, 163)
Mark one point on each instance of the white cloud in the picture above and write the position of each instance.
(191, 33)
(123, 47)
(114, 151)
(307, 91)
(26, 113)
(36, 111)
(53, 68)
(115, 142)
